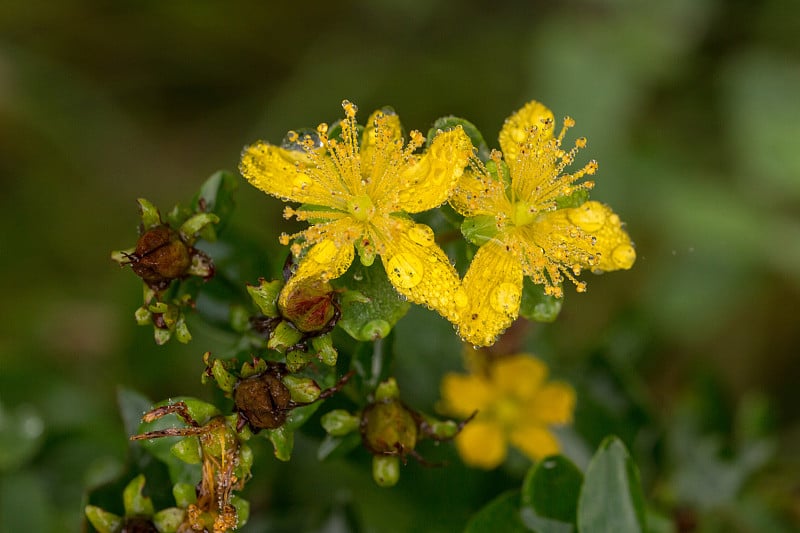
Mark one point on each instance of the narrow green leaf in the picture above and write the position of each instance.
(611, 498)
(501, 514)
(216, 195)
(551, 489)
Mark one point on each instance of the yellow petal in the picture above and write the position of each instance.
(536, 442)
(382, 131)
(463, 394)
(612, 243)
(479, 194)
(417, 267)
(482, 444)
(274, 171)
(519, 375)
(516, 129)
(493, 285)
(429, 182)
(553, 404)
(326, 260)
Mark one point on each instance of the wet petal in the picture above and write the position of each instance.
(326, 260)
(534, 441)
(417, 267)
(611, 242)
(482, 444)
(382, 132)
(463, 394)
(277, 171)
(429, 182)
(478, 194)
(519, 375)
(493, 285)
(516, 129)
(553, 404)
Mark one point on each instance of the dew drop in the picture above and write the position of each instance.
(623, 256)
(505, 298)
(460, 298)
(421, 234)
(405, 270)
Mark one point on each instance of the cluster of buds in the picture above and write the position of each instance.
(298, 323)
(268, 397)
(390, 431)
(163, 256)
(208, 439)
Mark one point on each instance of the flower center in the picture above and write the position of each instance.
(361, 207)
(522, 214)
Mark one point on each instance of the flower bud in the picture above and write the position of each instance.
(309, 306)
(388, 428)
(385, 470)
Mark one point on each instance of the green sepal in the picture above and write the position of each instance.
(188, 450)
(143, 316)
(185, 494)
(450, 122)
(282, 440)
(190, 229)
(501, 172)
(182, 330)
(283, 337)
(479, 229)
(536, 305)
(323, 346)
(150, 216)
(265, 296)
(577, 198)
(161, 336)
(339, 422)
(368, 297)
(387, 390)
(250, 369)
(102, 520)
(386, 470)
(366, 255)
(168, 520)
(225, 380)
(134, 501)
(242, 510)
(302, 390)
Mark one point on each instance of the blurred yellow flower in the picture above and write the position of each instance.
(524, 232)
(515, 406)
(357, 196)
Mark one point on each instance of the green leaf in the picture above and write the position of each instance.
(501, 514)
(282, 440)
(333, 447)
(448, 123)
(217, 196)
(611, 498)
(370, 304)
(576, 199)
(536, 305)
(551, 489)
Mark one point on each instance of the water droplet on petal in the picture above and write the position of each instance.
(623, 256)
(589, 217)
(460, 298)
(405, 270)
(323, 253)
(421, 234)
(505, 298)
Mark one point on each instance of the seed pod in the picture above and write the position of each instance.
(262, 400)
(160, 257)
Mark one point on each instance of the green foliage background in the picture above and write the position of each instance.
(690, 106)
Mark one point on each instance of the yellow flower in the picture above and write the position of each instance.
(358, 195)
(528, 235)
(515, 406)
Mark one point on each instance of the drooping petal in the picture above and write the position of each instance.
(493, 285)
(274, 170)
(482, 444)
(429, 181)
(534, 441)
(553, 404)
(517, 128)
(326, 260)
(417, 267)
(463, 394)
(519, 375)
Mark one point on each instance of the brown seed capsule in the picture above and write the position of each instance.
(160, 257)
(138, 524)
(263, 400)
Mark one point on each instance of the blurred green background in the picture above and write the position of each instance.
(690, 106)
